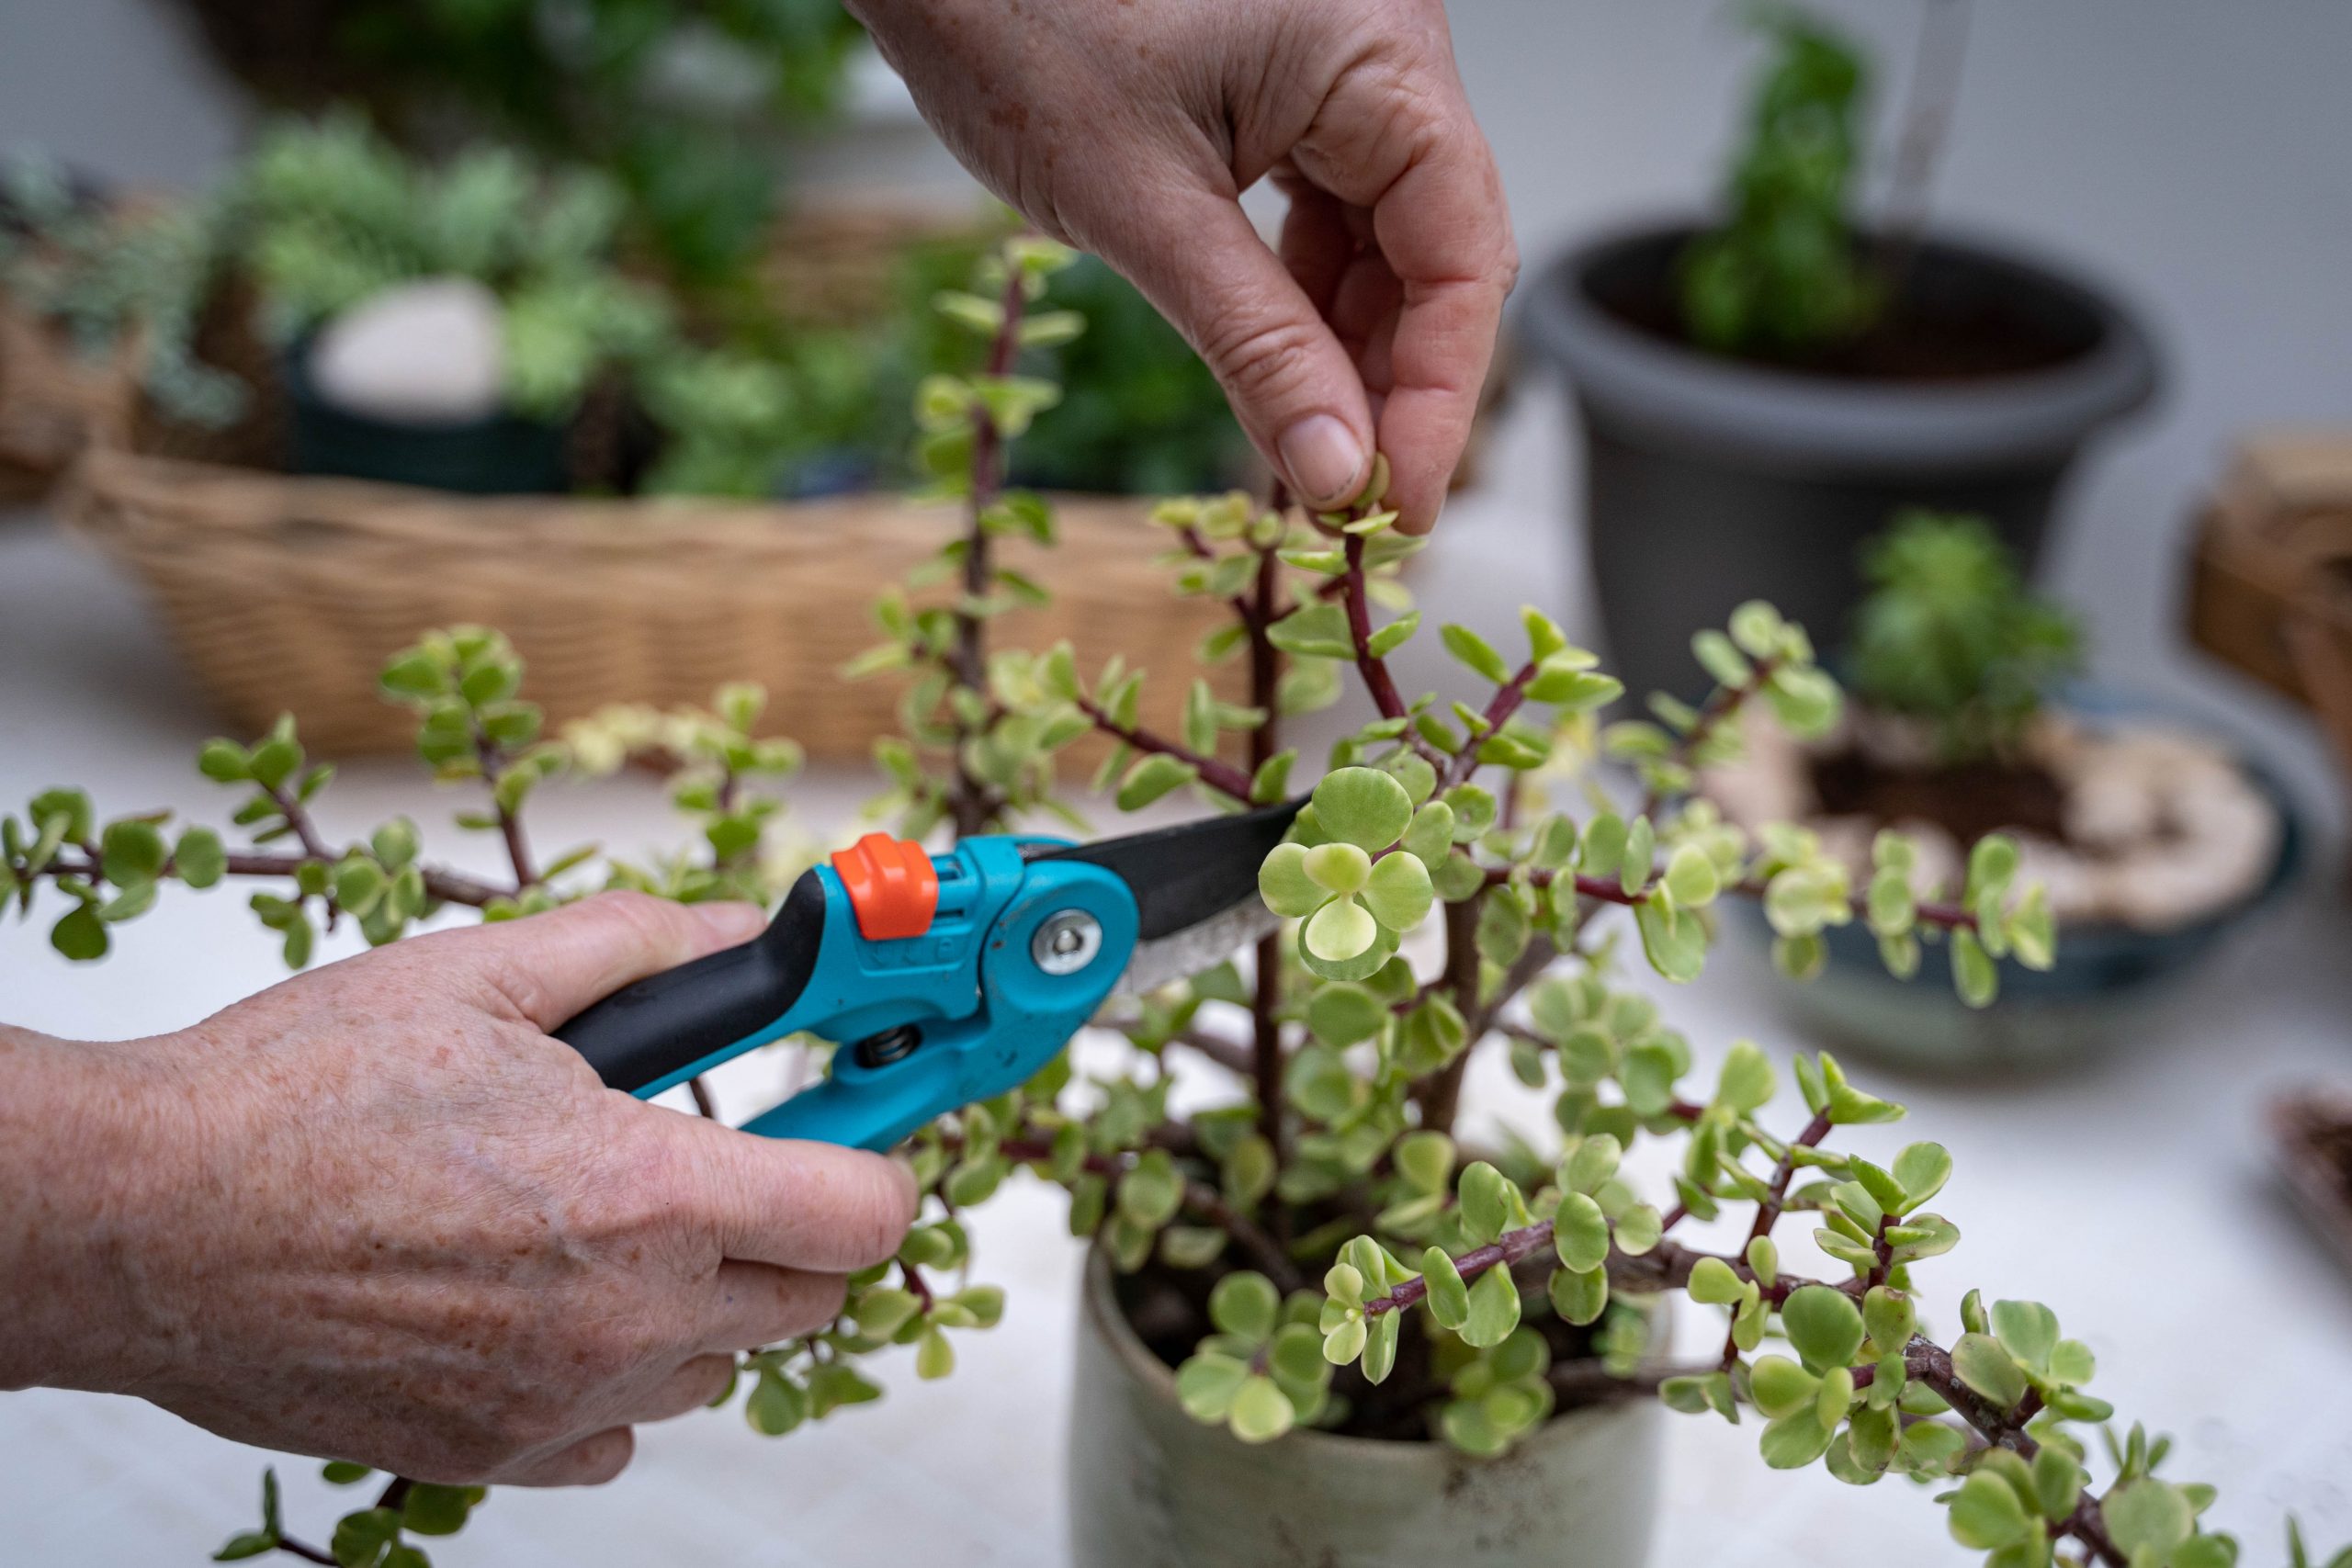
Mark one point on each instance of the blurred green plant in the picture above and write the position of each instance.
(1520, 1275)
(1783, 277)
(1949, 633)
(326, 215)
(683, 105)
(104, 275)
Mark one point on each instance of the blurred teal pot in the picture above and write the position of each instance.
(503, 454)
(1149, 1487)
(2109, 982)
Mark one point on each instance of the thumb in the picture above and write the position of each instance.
(554, 964)
(1290, 381)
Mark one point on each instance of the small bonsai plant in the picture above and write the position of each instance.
(1951, 635)
(1355, 1261)
(1959, 730)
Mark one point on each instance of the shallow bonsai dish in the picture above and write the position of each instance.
(2107, 979)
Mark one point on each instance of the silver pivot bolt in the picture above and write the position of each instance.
(1066, 942)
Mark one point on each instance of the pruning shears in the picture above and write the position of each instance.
(944, 979)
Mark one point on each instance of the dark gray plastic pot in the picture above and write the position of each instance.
(1150, 1487)
(1710, 481)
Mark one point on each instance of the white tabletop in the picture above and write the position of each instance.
(2132, 1197)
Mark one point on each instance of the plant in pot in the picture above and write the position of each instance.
(2149, 842)
(1319, 1310)
(1758, 393)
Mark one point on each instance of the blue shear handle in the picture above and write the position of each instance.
(1019, 1017)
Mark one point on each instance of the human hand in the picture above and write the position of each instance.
(1130, 131)
(376, 1213)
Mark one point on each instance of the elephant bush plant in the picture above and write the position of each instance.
(1359, 1263)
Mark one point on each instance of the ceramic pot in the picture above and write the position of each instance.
(1149, 1487)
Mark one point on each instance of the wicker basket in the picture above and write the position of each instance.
(289, 594)
(54, 400)
(2270, 582)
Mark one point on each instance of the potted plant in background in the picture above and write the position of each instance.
(1321, 1311)
(2151, 840)
(1758, 393)
(646, 401)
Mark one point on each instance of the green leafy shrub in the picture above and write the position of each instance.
(1783, 275)
(1328, 1202)
(1949, 633)
(682, 106)
(101, 275)
(328, 215)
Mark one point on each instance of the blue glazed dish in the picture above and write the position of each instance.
(2106, 981)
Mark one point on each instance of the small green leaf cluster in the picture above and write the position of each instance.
(1950, 633)
(1782, 277)
(1760, 656)
(720, 778)
(108, 874)
(375, 1537)
(1262, 1372)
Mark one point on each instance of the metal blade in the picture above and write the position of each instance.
(1195, 887)
(1195, 948)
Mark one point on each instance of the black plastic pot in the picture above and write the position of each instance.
(1710, 481)
(502, 455)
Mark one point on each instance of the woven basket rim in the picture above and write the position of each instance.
(114, 496)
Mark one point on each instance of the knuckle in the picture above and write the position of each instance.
(1260, 358)
(595, 1461)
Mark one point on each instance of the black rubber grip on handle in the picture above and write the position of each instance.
(652, 1027)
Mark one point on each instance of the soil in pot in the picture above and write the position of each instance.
(2137, 824)
(2151, 844)
(1926, 333)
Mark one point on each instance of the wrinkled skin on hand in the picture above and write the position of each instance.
(376, 1213)
(1128, 127)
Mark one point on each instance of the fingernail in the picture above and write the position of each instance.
(731, 922)
(1325, 460)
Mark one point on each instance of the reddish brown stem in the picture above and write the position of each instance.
(1721, 705)
(1440, 1096)
(510, 826)
(447, 886)
(970, 805)
(1223, 777)
(1507, 701)
(1371, 666)
(1200, 1198)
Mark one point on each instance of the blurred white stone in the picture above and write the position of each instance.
(424, 353)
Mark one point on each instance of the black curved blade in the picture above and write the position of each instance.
(1186, 876)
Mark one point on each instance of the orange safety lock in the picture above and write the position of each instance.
(891, 883)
